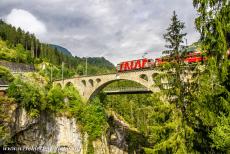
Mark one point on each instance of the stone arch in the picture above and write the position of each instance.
(83, 82)
(144, 77)
(98, 80)
(68, 84)
(154, 75)
(91, 82)
(100, 87)
(58, 85)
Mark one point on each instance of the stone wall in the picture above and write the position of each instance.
(17, 67)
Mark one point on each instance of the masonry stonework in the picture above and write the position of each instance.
(89, 86)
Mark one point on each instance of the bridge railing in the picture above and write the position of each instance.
(3, 87)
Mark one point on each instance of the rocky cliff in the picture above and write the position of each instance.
(46, 134)
(52, 134)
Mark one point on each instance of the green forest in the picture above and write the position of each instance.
(189, 116)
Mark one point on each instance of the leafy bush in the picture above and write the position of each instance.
(94, 120)
(55, 99)
(14, 54)
(30, 96)
(5, 74)
(91, 116)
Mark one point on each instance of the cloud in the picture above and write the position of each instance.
(26, 21)
(119, 30)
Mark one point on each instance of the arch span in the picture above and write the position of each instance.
(103, 85)
(89, 86)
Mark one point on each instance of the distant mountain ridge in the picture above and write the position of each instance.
(100, 61)
(61, 49)
(97, 61)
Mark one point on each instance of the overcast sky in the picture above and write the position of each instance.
(116, 29)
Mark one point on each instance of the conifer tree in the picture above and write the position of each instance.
(174, 36)
(213, 23)
(213, 94)
(171, 133)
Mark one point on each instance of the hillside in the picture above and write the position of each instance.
(22, 47)
(100, 61)
(61, 49)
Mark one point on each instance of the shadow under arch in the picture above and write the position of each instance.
(58, 85)
(144, 77)
(68, 84)
(102, 86)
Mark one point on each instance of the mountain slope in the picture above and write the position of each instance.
(100, 62)
(61, 49)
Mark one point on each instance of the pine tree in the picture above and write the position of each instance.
(213, 23)
(174, 36)
(213, 94)
(171, 132)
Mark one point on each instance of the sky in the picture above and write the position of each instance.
(118, 30)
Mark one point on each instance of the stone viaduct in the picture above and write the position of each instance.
(89, 86)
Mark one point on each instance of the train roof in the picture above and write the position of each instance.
(136, 60)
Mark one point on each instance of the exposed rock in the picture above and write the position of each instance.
(116, 150)
(101, 146)
(47, 133)
(51, 134)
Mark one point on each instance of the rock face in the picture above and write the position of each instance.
(47, 134)
(51, 134)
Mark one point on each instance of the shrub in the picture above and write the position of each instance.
(30, 96)
(5, 74)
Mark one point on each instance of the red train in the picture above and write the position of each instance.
(191, 57)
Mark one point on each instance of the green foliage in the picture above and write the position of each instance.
(213, 25)
(5, 74)
(169, 133)
(213, 97)
(55, 99)
(65, 101)
(100, 62)
(15, 54)
(91, 116)
(30, 96)
(174, 36)
(90, 149)
(93, 119)
(221, 134)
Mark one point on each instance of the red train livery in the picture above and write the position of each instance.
(145, 63)
(191, 57)
(135, 64)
